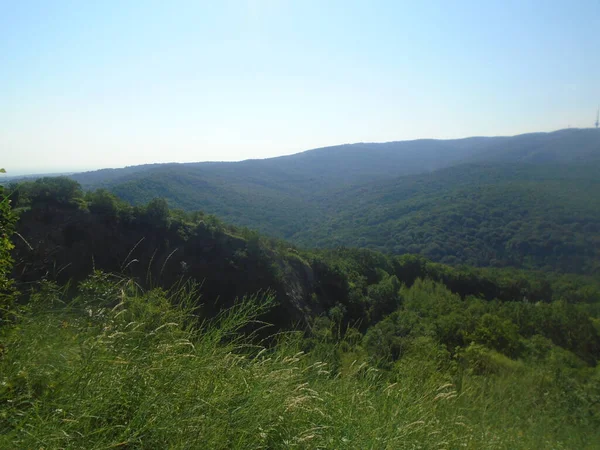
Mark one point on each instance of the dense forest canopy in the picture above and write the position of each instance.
(527, 201)
(529, 216)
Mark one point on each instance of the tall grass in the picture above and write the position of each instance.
(120, 368)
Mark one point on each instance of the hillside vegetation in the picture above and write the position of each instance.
(145, 327)
(129, 370)
(526, 201)
(313, 171)
(530, 216)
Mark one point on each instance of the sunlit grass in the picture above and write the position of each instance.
(118, 368)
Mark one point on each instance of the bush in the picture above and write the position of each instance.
(498, 334)
(144, 373)
(103, 202)
(483, 361)
(56, 191)
(7, 228)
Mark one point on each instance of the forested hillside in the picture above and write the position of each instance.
(148, 327)
(526, 201)
(313, 171)
(544, 216)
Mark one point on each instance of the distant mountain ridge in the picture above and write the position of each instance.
(355, 163)
(529, 201)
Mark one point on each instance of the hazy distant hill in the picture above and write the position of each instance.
(285, 195)
(526, 201)
(329, 167)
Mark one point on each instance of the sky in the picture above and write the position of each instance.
(87, 85)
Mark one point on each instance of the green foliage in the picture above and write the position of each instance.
(528, 216)
(7, 228)
(393, 351)
(145, 373)
(497, 333)
(103, 202)
(537, 217)
(527, 201)
(482, 360)
(156, 213)
(383, 297)
(53, 191)
(99, 289)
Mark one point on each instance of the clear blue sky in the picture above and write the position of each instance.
(90, 84)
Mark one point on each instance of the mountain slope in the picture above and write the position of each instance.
(281, 196)
(208, 336)
(321, 169)
(524, 201)
(523, 215)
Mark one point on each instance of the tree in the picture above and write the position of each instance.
(383, 298)
(156, 213)
(103, 202)
(58, 191)
(498, 334)
(7, 228)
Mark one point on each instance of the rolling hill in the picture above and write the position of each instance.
(544, 216)
(313, 171)
(525, 201)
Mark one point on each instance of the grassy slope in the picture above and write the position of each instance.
(134, 375)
